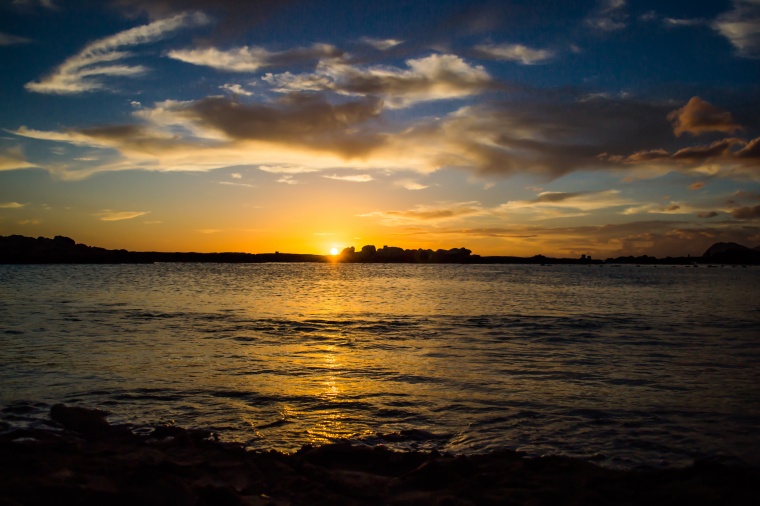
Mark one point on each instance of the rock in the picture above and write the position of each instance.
(78, 419)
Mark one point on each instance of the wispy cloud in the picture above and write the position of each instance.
(354, 178)
(514, 52)
(412, 185)
(288, 179)
(236, 89)
(381, 44)
(85, 70)
(609, 16)
(287, 169)
(13, 158)
(7, 39)
(109, 215)
(741, 26)
(423, 213)
(251, 59)
(11, 205)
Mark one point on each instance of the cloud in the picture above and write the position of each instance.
(682, 22)
(741, 26)
(109, 215)
(230, 183)
(47, 4)
(699, 117)
(11, 205)
(696, 186)
(245, 59)
(7, 39)
(746, 213)
(427, 213)
(13, 158)
(236, 89)
(435, 77)
(303, 120)
(381, 44)
(608, 16)
(514, 52)
(287, 169)
(233, 17)
(85, 70)
(357, 178)
(409, 184)
(707, 214)
(726, 157)
(288, 179)
(565, 204)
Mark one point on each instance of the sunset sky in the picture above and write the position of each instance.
(607, 128)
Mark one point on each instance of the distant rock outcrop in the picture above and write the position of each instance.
(732, 253)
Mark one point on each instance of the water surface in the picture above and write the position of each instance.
(624, 365)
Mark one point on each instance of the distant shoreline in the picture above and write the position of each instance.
(16, 249)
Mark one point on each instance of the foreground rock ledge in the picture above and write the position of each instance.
(92, 462)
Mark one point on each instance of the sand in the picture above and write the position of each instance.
(89, 461)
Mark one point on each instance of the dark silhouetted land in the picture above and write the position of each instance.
(61, 250)
(87, 461)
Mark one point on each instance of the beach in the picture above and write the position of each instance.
(82, 459)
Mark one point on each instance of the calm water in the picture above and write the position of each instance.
(624, 365)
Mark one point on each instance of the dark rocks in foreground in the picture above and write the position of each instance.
(17, 249)
(92, 463)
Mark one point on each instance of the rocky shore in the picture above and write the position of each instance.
(88, 461)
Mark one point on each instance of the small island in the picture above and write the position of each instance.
(17, 249)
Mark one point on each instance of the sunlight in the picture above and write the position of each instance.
(334, 251)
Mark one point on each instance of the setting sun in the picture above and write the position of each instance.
(334, 251)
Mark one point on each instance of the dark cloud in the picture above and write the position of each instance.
(235, 16)
(551, 137)
(729, 151)
(746, 213)
(707, 214)
(699, 117)
(305, 120)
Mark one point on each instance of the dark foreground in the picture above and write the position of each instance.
(92, 462)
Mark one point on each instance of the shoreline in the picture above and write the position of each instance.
(91, 461)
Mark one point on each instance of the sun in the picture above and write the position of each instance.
(334, 251)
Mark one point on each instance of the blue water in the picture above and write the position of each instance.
(622, 365)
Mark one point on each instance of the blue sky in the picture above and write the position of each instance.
(564, 128)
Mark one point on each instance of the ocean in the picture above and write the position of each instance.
(621, 365)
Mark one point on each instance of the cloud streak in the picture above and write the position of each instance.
(514, 52)
(102, 58)
(110, 215)
(6, 39)
(251, 59)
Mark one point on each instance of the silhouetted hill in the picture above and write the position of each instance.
(731, 253)
(17, 249)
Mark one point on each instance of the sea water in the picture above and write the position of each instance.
(624, 365)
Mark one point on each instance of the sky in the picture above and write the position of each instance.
(602, 127)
